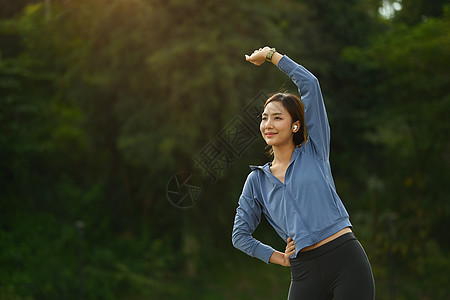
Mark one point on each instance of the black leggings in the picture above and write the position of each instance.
(337, 270)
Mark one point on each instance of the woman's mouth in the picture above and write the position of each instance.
(269, 134)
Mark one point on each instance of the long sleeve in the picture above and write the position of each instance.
(248, 216)
(315, 114)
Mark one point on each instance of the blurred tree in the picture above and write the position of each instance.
(100, 110)
(10, 9)
(417, 11)
(408, 86)
(104, 101)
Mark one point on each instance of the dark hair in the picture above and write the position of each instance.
(296, 110)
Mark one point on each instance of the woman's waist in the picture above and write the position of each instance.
(327, 240)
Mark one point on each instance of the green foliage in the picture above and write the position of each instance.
(104, 101)
(416, 11)
(410, 105)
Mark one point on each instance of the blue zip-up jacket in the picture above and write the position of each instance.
(306, 207)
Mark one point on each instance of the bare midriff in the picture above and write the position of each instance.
(328, 239)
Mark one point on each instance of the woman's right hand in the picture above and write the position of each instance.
(290, 249)
(281, 258)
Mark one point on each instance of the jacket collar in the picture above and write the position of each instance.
(266, 167)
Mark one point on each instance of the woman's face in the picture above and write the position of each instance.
(276, 125)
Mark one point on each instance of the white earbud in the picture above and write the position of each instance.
(295, 127)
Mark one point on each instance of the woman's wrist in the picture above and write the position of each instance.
(259, 56)
(272, 55)
(276, 56)
(278, 258)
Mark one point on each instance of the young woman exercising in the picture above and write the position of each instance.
(297, 195)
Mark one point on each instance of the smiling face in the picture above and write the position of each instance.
(276, 125)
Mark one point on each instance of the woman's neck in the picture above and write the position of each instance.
(282, 154)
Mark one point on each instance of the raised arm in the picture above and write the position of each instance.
(308, 86)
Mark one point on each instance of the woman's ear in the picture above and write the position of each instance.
(296, 126)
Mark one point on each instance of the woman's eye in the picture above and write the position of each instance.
(264, 118)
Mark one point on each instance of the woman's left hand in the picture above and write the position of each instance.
(258, 57)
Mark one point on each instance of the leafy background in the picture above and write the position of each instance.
(102, 102)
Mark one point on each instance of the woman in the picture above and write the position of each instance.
(297, 195)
